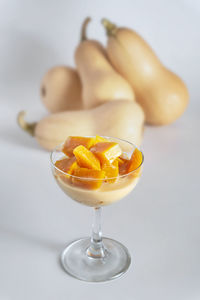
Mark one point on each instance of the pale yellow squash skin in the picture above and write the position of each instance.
(123, 119)
(61, 89)
(100, 82)
(161, 93)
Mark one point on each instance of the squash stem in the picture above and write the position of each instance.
(109, 27)
(28, 127)
(83, 29)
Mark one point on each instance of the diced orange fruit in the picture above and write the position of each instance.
(67, 165)
(135, 161)
(73, 141)
(127, 166)
(92, 179)
(111, 170)
(99, 139)
(86, 159)
(106, 151)
(123, 165)
(120, 161)
(124, 156)
(92, 161)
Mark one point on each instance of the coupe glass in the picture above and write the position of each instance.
(96, 258)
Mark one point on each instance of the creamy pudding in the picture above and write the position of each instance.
(107, 194)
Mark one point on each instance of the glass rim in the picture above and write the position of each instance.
(95, 179)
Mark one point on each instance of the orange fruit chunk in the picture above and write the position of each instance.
(73, 141)
(135, 162)
(120, 161)
(92, 179)
(122, 158)
(67, 165)
(111, 170)
(86, 159)
(123, 165)
(106, 152)
(99, 139)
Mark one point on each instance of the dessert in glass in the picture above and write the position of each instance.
(96, 171)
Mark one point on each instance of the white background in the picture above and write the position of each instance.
(159, 221)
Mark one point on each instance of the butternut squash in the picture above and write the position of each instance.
(74, 141)
(161, 93)
(94, 178)
(67, 165)
(61, 89)
(100, 82)
(86, 159)
(122, 119)
(106, 152)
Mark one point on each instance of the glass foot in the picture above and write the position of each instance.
(78, 264)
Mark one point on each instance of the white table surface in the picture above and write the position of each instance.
(158, 222)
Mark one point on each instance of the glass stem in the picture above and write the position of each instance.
(96, 248)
